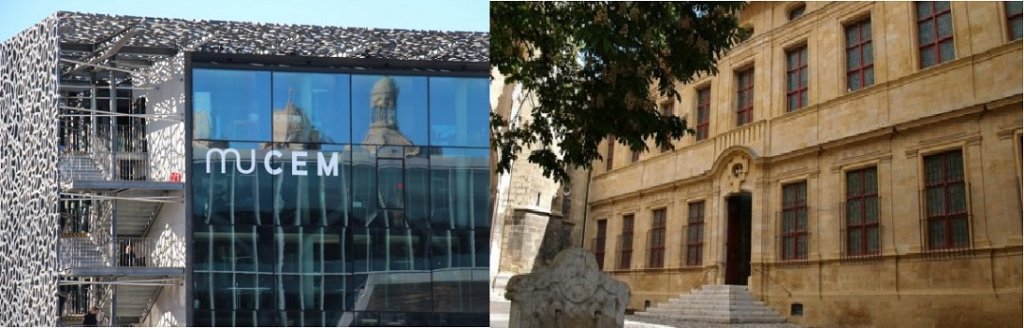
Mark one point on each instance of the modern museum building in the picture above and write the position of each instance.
(170, 172)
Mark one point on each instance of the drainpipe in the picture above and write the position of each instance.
(586, 211)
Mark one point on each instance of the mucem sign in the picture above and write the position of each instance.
(330, 198)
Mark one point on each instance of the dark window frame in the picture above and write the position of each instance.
(656, 239)
(947, 216)
(797, 231)
(797, 11)
(800, 93)
(936, 43)
(695, 226)
(863, 67)
(862, 227)
(1011, 19)
(626, 242)
(703, 112)
(600, 242)
(667, 108)
(744, 90)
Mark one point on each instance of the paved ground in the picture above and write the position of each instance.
(632, 322)
(500, 309)
(499, 313)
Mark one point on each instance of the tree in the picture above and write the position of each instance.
(592, 67)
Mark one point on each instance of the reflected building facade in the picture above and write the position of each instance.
(169, 172)
(395, 232)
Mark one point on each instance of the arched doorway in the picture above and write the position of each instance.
(737, 244)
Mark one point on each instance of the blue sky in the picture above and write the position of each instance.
(452, 15)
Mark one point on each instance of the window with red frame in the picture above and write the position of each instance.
(1013, 18)
(794, 221)
(745, 96)
(862, 212)
(656, 256)
(796, 78)
(600, 241)
(626, 242)
(946, 199)
(934, 32)
(609, 159)
(695, 234)
(860, 59)
(703, 112)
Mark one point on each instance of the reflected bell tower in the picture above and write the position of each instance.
(384, 120)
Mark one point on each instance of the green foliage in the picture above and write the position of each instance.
(594, 67)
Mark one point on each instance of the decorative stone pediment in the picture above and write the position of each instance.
(571, 292)
(736, 173)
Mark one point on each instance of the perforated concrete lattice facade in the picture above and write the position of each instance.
(28, 176)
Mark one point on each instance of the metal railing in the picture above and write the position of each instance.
(76, 300)
(93, 152)
(135, 252)
(128, 252)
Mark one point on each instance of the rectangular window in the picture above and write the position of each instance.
(794, 221)
(609, 159)
(860, 59)
(695, 234)
(656, 239)
(745, 97)
(667, 109)
(934, 32)
(796, 78)
(1013, 18)
(634, 156)
(703, 112)
(599, 242)
(946, 199)
(862, 212)
(626, 242)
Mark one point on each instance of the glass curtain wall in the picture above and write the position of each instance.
(339, 199)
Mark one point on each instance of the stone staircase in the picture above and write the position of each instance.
(711, 305)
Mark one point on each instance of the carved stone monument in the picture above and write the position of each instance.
(571, 292)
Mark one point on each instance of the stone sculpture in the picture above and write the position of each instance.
(571, 292)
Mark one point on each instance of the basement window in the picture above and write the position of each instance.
(796, 309)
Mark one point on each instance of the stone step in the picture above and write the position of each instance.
(716, 304)
(713, 313)
(701, 318)
(712, 302)
(747, 309)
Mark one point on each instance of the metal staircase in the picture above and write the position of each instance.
(108, 198)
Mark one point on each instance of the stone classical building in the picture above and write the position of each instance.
(854, 164)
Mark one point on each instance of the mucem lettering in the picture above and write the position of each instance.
(324, 166)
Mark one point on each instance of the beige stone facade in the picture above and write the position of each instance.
(968, 108)
(523, 197)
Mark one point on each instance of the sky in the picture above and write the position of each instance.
(450, 15)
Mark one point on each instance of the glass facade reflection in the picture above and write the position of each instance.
(339, 199)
